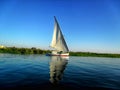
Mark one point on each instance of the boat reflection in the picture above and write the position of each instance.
(57, 67)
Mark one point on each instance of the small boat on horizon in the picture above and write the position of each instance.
(58, 42)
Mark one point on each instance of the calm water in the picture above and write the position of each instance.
(44, 72)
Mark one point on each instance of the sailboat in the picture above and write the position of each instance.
(58, 42)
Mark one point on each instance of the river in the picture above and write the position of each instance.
(45, 72)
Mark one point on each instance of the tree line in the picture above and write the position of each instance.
(94, 54)
(33, 50)
(15, 50)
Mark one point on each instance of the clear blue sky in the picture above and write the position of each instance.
(88, 25)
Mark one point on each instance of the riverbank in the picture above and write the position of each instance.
(16, 50)
(91, 54)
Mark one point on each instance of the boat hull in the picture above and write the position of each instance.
(63, 54)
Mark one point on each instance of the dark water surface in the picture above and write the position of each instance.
(40, 72)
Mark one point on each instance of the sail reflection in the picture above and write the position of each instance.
(57, 67)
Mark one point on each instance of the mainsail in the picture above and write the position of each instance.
(58, 41)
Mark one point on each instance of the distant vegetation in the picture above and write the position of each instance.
(94, 54)
(33, 50)
(15, 50)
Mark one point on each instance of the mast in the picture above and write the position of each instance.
(58, 41)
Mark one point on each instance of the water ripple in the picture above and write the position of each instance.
(39, 71)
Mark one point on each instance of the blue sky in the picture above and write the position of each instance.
(88, 25)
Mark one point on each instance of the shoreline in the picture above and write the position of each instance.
(33, 50)
(92, 54)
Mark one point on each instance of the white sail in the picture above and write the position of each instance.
(58, 41)
(54, 39)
